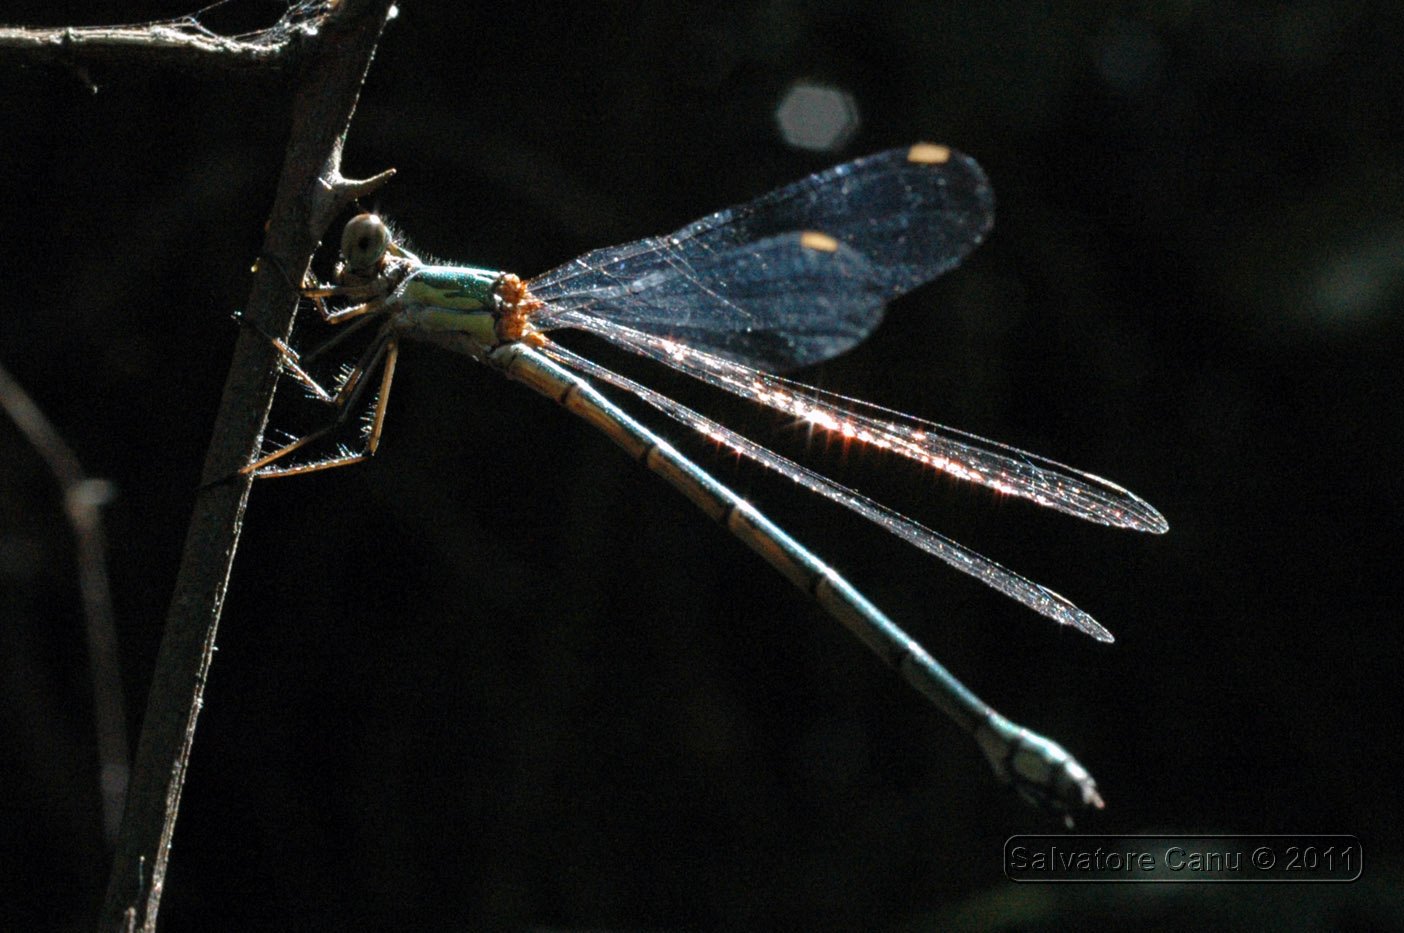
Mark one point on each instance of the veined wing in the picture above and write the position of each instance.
(910, 214)
(783, 301)
(964, 456)
(1036, 596)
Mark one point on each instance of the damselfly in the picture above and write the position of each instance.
(792, 278)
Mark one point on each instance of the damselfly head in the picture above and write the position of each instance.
(364, 243)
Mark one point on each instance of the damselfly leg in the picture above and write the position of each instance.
(383, 351)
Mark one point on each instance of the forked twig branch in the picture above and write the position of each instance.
(311, 191)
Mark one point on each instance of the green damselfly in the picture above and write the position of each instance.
(792, 278)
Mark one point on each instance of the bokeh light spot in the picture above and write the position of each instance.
(817, 117)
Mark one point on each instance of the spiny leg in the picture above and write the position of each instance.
(373, 295)
(332, 341)
(291, 364)
(360, 315)
(384, 347)
(372, 300)
(289, 359)
(392, 354)
(366, 292)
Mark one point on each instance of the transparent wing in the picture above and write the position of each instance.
(777, 301)
(1037, 597)
(899, 218)
(968, 457)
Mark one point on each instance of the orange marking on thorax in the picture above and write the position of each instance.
(518, 305)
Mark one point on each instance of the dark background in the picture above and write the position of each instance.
(502, 676)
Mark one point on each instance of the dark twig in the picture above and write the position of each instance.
(311, 191)
(83, 499)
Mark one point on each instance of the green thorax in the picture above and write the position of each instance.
(450, 305)
(459, 288)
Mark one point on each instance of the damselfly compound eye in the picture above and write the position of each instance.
(364, 242)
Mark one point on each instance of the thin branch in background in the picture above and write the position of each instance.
(83, 499)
